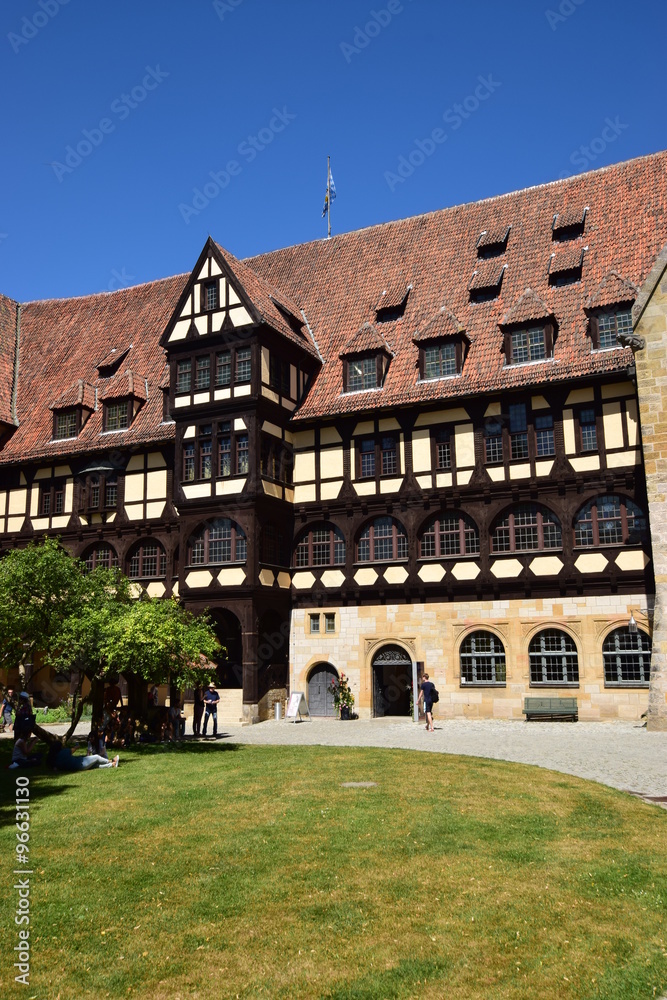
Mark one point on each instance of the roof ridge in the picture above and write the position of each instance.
(115, 291)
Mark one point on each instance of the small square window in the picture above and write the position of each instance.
(65, 425)
(330, 623)
(527, 345)
(362, 374)
(314, 624)
(117, 416)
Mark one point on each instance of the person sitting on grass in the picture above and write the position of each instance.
(25, 717)
(62, 759)
(97, 743)
(21, 754)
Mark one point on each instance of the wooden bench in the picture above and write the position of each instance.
(551, 708)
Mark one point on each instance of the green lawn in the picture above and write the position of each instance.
(222, 872)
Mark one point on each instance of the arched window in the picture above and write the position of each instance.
(482, 659)
(321, 545)
(525, 528)
(610, 520)
(449, 535)
(147, 561)
(219, 541)
(100, 555)
(627, 658)
(382, 540)
(553, 658)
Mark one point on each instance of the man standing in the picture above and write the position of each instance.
(8, 706)
(211, 699)
(426, 693)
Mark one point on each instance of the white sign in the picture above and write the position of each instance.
(297, 705)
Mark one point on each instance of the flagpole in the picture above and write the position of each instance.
(328, 197)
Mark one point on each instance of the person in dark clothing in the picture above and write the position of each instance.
(25, 717)
(7, 708)
(426, 694)
(211, 700)
(198, 712)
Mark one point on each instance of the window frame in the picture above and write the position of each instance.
(509, 514)
(306, 542)
(377, 370)
(580, 425)
(238, 542)
(611, 312)
(119, 406)
(90, 556)
(622, 517)
(639, 636)
(443, 434)
(568, 667)
(466, 525)
(211, 284)
(548, 338)
(276, 459)
(59, 415)
(400, 551)
(374, 445)
(459, 357)
(137, 550)
(494, 681)
(49, 491)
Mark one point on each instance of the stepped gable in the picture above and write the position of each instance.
(527, 307)
(612, 290)
(336, 279)
(8, 319)
(61, 343)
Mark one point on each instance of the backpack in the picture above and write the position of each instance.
(435, 697)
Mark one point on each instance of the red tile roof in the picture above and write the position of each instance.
(493, 237)
(487, 274)
(366, 339)
(443, 324)
(574, 216)
(393, 294)
(612, 290)
(8, 320)
(527, 307)
(567, 257)
(125, 384)
(79, 394)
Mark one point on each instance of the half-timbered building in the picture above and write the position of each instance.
(418, 443)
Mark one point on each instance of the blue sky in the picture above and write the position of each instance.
(116, 113)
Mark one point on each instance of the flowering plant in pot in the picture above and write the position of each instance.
(342, 696)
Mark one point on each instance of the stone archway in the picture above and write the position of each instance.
(320, 698)
(391, 669)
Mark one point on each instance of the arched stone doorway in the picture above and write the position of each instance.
(320, 698)
(392, 681)
(230, 663)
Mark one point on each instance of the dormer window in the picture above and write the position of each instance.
(362, 373)
(392, 302)
(568, 225)
(492, 242)
(534, 343)
(209, 296)
(486, 281)
(117, 415)
(365, 360)
(608, 328)
(65, 425)
(565, 266)
(441, 359)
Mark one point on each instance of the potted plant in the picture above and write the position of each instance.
(343, 697)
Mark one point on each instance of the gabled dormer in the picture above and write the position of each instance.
(365, 357)
(71, 410)
(442, 344)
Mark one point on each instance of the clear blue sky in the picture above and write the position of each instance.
(182, 86)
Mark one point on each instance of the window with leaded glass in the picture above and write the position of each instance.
(65, 425)
(184, 376)
(383, 540)
(203, 374)
(588, 430)
(225, 450)
(330, 622)
(147, 561)
(362, 373)
(482, 658)
(389, 450)
(518, 431)
(223, 368)
(205, 452)
(527, 345)
(627, 658)
(52, 498)
(544, 435)
(493, 442)
(525, 528)
(610, 520)
(110, 491)
(366, 458)
(218, 541)
(449, 535)
(117, 416)
(553, 658)
(322, 545)
(188, 462)
(210, 295)
(608, 325)
(243, 365)
(440, 360)
(443, 448)
(101, 556)
(279, 375)
(241, 454)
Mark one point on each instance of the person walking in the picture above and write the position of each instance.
(426, 695)
(8, 706)
(211, 700)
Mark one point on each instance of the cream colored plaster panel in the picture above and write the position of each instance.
(174, 588)
(426, 482)
(44, 473)
(442, 417)
(389, 424)
(156, 484)
(331, 463)
(62, 470)
(233, 295)
(180, 330)
(303, 581)
(396, 574)
(389, 485)
(155, 509)
(215, 270)
(543, 468)
(112, 517)
(193, 491)
(493, 410)
(242, 390)
(134, 488)
(14, 523)
(612, 422)
(305, 494)
(266, 577)
(304, 439)
(304, 466)
(465, 571)
(496, 473)
(201, 322)
(621, 458)
(546, 565)
(270, 394)
(289, 494)
(189, 432)
(617, 390)
(272, 429)
(463, 476)
(240, 316)
(34, 501)
(591, 562)
(283, 580)
(240, 424)
(155, 460)
(331, 489)
(199, 578)
(186, 311)
(568, 432)
(329, 435)
(580, 396)
(42, 523)
(585, 463)
(22, 480)
(69, 496)
(232, 576)
(421, 449)
(134, 511)
(155, 589)
(203, 271)
(181, 401)
(3, 503)
(61, 521)
(265, 365)
(431, 572)
(539, 403)
(17, 501)
(365, 577)
(272, 489)
(632, 422)
(504, 569)
(632, 559)
(136, 590)
(444, 479)
(364, 489)
(222, 394)
(520, 471)
(464, 446)
(333, 578)
(201, 397)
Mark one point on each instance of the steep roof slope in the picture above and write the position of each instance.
(8, 320)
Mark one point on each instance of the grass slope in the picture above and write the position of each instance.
(220, 871)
